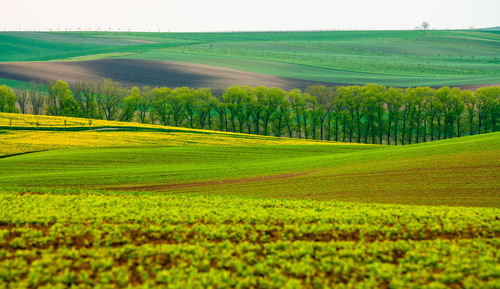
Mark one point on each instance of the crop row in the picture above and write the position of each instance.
(144, 208)
(114, 240)
(436, 264)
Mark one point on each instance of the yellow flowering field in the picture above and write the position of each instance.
(29, 120)
(100, 133)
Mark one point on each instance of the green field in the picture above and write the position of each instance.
(395, 58)
(131, 205)
(458, 171)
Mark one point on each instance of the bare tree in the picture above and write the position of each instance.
(22, 99)
(85, 95)
(145, 103)
(425, 25)
(36, 98)
(109, 98)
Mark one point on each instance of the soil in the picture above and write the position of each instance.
(132, 72)
(212, 183)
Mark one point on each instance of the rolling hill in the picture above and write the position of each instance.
(395, 58)
(110, 156)
(115, 205)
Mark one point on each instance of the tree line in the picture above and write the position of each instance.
(364, 114)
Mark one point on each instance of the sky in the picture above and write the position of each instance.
(254, 15)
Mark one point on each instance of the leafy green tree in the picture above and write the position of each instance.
(176, 103)
(444, 98)
(470, 106)
(337, 108)
(322, 105)
(52, 98)
(69, 106)
(297, 103)
(458, 106)
(351, 104)
(257, 106)
(60, 100)
(160, 103)
(432, 112)
(286, 112)
(487, 107)
(145, 103)
(407, 108)
(272, 100)
(357, 113)
(367, 113)
(190, 105)
(131, 103)
(234, 98)
(250, 105)
(305, 114)
(85, 94)
(419, 95)
(245, 109)
(56, 89)
(314, 111)
(109, 98)
(393, 101)
(380, 112)
(373, 95)
(220, 109)
(282, 118)
(355, 103)
(495, 107)
(205, 104)
(438, 109)
(7, 99)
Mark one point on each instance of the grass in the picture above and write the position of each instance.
(396, 58)
(460, 171)
(130, 205)
(14, 83)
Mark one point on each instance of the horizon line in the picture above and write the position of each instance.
(241, 31)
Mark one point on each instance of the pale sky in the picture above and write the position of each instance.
(234, 15)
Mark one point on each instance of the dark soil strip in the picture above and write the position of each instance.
(146, 72)
(213, 183)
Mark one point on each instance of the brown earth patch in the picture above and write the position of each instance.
(145, 72)
(213, 183)
(476, 86)
(132, 72)
(29, 193)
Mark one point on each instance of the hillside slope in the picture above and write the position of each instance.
(395, 58)
(461, 171)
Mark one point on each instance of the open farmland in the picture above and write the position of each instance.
(114, 240)
(116, 204)
(135, 157)
(395, 58)
(145, 72)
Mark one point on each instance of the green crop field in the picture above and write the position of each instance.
(395, 58)
(458, 171)
(58, 239)
(117, 205)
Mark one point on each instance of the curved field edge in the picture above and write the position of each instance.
(30, 133)
(400, 58)
(460, 171)
(89, 238)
